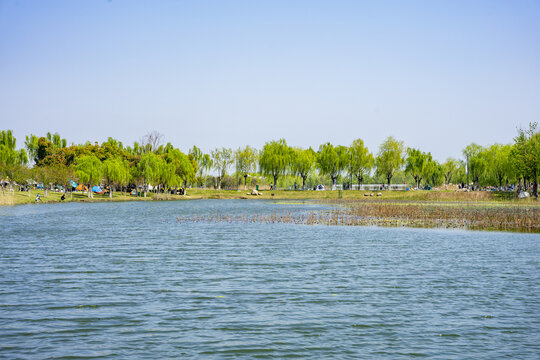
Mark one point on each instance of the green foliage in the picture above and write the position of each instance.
(222, 159)
(246, 161)
(361, 161)
(113, 172)
(416, 164)
(525, 154)
(476, 162)
(433, 172)
(390, 158)
(449, 169)
(303, 163)
(332, 160)
(88, 170)
(275, 159)
(183, 168)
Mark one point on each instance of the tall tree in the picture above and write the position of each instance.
(499, 167)
(360, 160)
(275, 159)
(449, 169)
(10, 158)
(89, 170)
(31, 145)
(433, 171)
(525, 155)
(246, 162)
(303, 163)
(149, 168)
(183, 168)
(332, 160)
(56, 140)
(416, 164)
(151, 142)
(475, 161)
(223, 158)
(390, 158)
(113, 173)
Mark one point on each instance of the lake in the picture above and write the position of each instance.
(127, 280)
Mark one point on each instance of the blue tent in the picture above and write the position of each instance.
(73, 183)
(97, 189)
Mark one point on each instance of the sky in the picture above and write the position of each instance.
(437, 75)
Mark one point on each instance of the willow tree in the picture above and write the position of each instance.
(526, 155)
(275, 159)
(89, 170)
(223, 158)
(148, 170)
(476, 162)
(113, 173)
(449, 168)
(360, 160)
(246, 162)
(183, 167)
(10, 158)
(303, 163)
(416, 164)
(390, 158)
(332, 160)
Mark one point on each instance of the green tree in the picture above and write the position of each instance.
(476, 162)
(360, 160)
(149, 168)
(433, 171)
(89, 170)
(275, 159)
(525, 156)
(332, 160)
(303, 163)
(390, 158)
(183, 168)
(246, 162)
(449, 169)
(416, 164)
(499, 167)
(56, 140)
(113, 173)
(222, 159)
(31, 145)
(11, 159)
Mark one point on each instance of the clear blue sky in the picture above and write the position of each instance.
(436, 74)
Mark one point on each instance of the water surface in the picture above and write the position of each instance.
(127, 280)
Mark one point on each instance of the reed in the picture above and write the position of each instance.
(495, 218)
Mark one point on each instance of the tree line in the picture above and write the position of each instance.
(151, 164)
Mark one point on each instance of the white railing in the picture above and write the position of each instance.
(376, 187)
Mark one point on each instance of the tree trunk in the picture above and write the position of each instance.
(110, 192)
(304, 182)
(275, 182)
(245, 182)
(389, 180)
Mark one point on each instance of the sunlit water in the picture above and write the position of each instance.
(127, 280)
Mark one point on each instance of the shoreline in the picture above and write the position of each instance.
(425, 209)
(13, 198)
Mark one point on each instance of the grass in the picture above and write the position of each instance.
(18, 198)
(446, 209)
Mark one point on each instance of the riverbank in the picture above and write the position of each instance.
(20, 198)
(443, 209)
